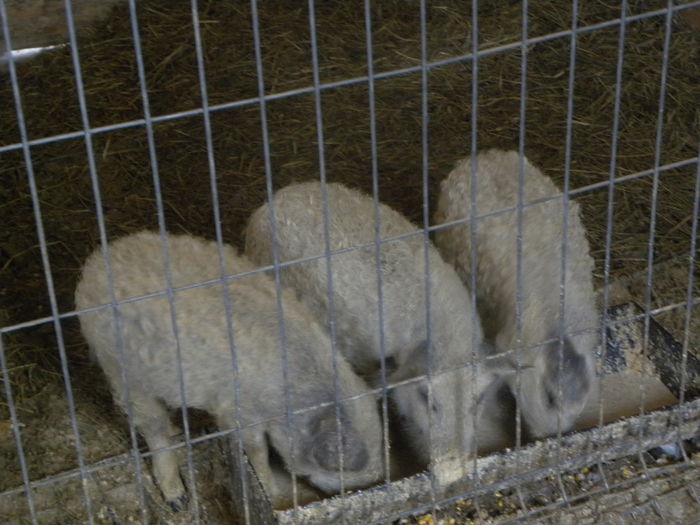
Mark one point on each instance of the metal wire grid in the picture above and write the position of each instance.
(316, 89)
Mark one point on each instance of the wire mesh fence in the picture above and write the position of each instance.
(399, 338)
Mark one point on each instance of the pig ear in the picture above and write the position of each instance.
(325, 452)
(575, 380)
(325, 449)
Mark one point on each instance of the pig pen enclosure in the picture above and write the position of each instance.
(186, 115)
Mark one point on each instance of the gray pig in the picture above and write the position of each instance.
(442, 433)
(544, 410)
(149, 346)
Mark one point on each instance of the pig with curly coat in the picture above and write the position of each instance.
(556, 356)
(439, 406)
(148, 347)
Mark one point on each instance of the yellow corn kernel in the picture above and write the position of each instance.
(426, 520)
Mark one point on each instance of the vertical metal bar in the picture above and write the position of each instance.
(654, 199)
(326, 232)
(473, 182)
(692, 259)
(610, 215)
(289, 416)
(97, 195)
(377, 234)
(228, 300)
(565, 228)
(45, 260)
(519, 216)
(473, 210)
(425, 129)
(165, 246)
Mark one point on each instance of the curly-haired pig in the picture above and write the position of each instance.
(549, 400)
(149, 349)
(442, 432)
